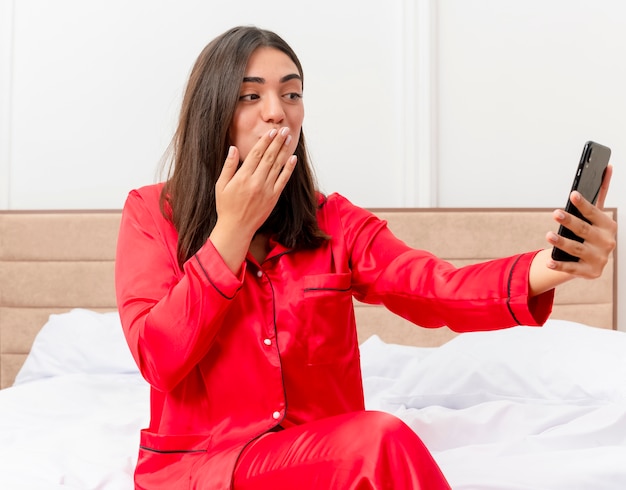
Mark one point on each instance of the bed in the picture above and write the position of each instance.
(522, 408)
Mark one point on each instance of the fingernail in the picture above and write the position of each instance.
(288, 140)
(284, 131)
(560, 214)
(552, 237)
(231, 151)
(273, 133)
(551, 264)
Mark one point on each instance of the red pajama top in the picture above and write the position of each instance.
(229, 357)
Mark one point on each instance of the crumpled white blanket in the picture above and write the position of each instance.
(519, 409)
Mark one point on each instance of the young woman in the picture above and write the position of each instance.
(235, 280)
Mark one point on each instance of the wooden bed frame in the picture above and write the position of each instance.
(53, 261)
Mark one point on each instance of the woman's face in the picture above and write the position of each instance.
(270, 97)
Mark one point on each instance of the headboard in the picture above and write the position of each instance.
(53, 261)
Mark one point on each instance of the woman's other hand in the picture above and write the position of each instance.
(599, 242)
(599, 235)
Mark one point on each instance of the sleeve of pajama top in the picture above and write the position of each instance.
(432, 292)
(176, 313)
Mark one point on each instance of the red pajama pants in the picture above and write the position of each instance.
(356, 451)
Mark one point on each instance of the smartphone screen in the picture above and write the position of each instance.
(588, 179)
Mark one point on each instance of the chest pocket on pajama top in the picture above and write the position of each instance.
(327, 316)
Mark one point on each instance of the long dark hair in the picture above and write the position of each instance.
(201, 141)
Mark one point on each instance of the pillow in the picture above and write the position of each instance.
(79, 341)
(381, 363)
(561, 361)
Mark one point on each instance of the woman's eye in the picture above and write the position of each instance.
(248, 97)
(294, 96)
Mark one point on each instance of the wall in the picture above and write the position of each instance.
(94, 90)
(521, 88)
(409, 103)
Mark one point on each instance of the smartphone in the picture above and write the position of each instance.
(593, 162)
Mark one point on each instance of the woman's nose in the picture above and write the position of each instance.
(273, 109)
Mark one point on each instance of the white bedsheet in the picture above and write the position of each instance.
(75, 431)
(524, 408)
(485, 438)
